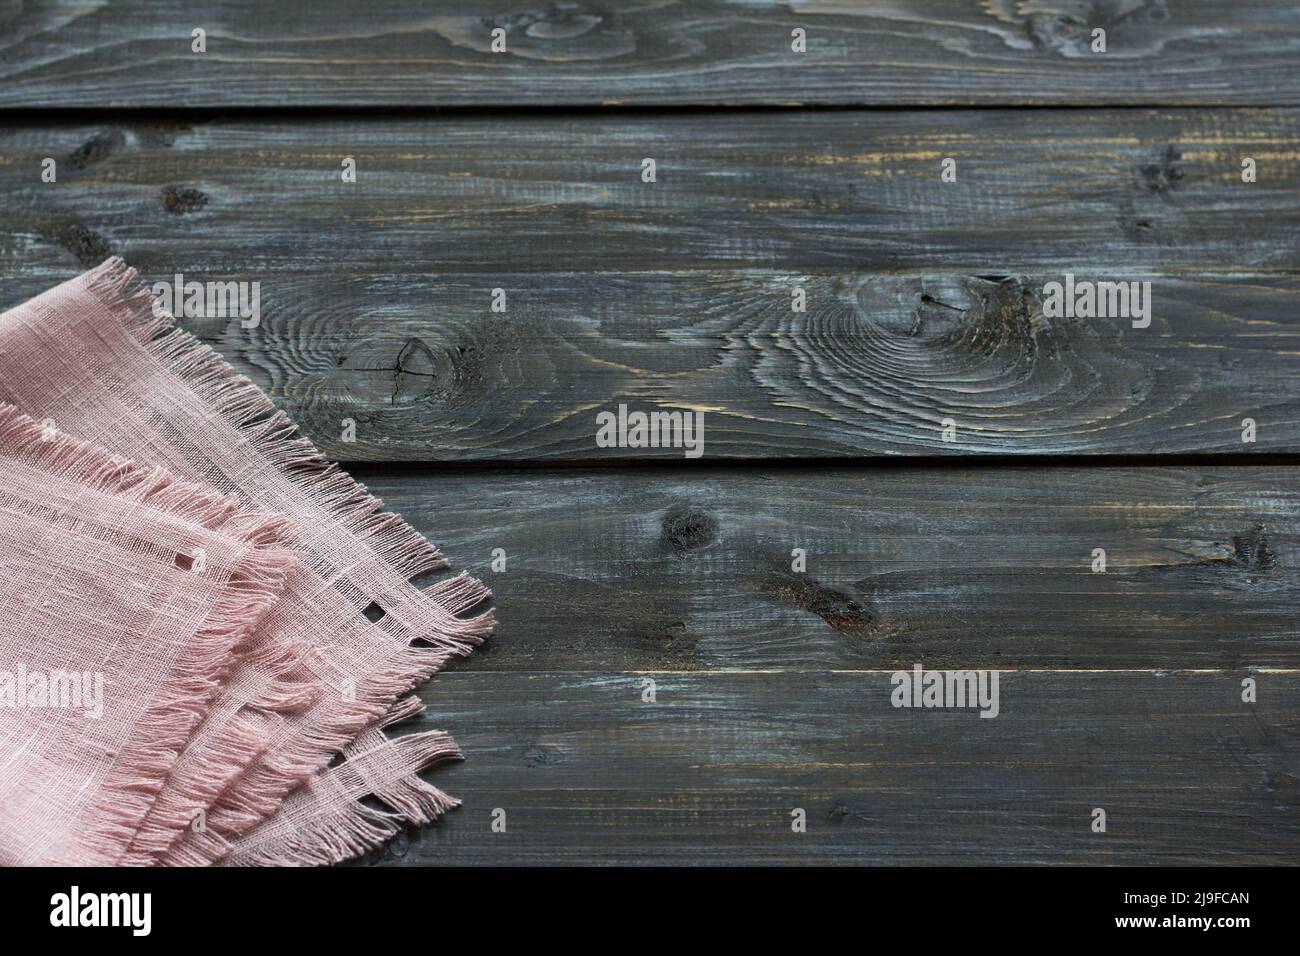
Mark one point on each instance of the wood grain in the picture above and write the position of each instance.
(873, 368)
(924, 299)
(709, 774)
(1119, 690)
(1119, 190)
(648, 52)
(691, 569)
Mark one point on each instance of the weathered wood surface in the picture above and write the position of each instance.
(676, 295)
(663, 568)
(1119, 690)
(1129, 190)
(709, 773)
(872, 368)
(648, 52)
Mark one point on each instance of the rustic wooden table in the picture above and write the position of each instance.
(775, 170)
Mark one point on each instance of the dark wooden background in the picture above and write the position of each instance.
(521, 171)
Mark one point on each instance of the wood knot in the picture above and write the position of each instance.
(1002, 319)
(543, 755)
(836, 608)
(1251, 550)
(88, 246)
(1065, 27)
(179, 200)
(94, 150)
(1164, 174)
(558, 32)
(563, 21)
(688, 530)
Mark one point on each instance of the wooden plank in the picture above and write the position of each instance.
(330, 53)
(1125, 191)
(663, 568)
(677, 295)
(586, 772)
(874, 366)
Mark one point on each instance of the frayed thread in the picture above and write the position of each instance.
(273, 683)
(314, 833)
(186, 796)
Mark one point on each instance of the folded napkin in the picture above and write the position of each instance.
(127, 594)
(315, 676)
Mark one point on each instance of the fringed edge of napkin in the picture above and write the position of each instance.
(256, 582)
(241, 742)
(326, 821)
(255, 796)
(430, 615)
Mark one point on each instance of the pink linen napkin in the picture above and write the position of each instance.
(127, 595)
(96, 357)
